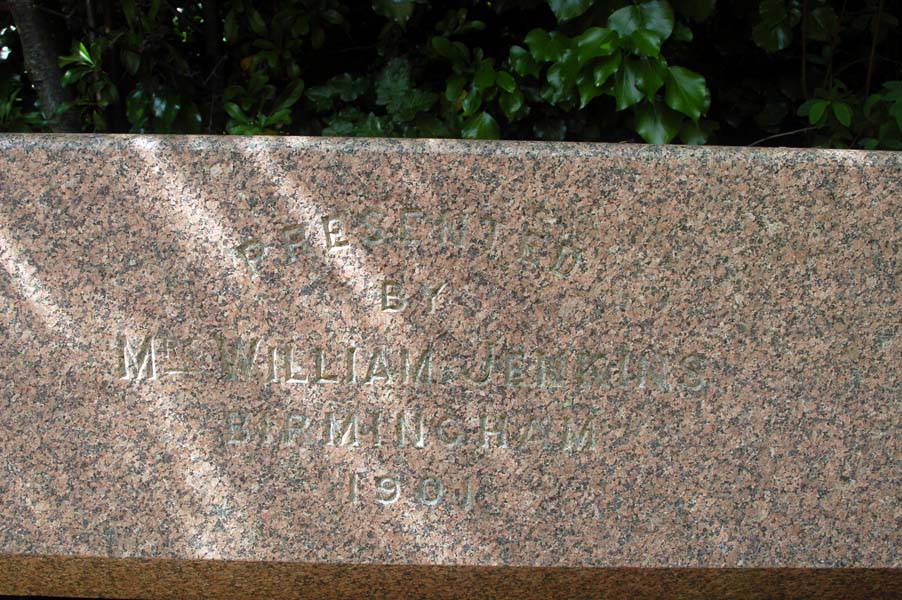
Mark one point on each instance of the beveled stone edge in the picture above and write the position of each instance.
(103, 577)
(439, 146)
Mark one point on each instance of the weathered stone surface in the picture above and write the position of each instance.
(447, 356)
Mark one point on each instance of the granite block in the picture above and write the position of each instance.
(328, 367)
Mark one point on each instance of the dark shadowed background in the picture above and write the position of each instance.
(768, 72)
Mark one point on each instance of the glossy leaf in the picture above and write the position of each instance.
(511, 103)
(687, 92)
(290, 96)
(625, 20)
(472, 102)
(333, 16)
(595, 42)
(842, 112)
(681, 33)
(588, 91)
(72, 76)
(818, 108)
(895, 112)
(132, 61)
(656, 123)
(605, 68)
(396, 10)
(655, 17)
(147, 67)
(482, 126)
(505, 81)
(136, 109)
(454, 86)
(692, 133)
(546, 46)
(130, 12)
(646, 42)
(522, 62)
(234, 111)
(626, 90)
(774, 30)
(649, 75)
(561, 77)
(443, 47)
(484, 77)
(565, 10)
(258, 25)
(455, 52)
(230, 26)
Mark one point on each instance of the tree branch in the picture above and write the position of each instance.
(805, 49)
(784, 134)
(41, 65)
(215, 59)
(877, 17)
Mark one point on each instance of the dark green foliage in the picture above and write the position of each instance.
(800, 72)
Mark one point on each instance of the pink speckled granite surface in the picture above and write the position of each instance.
(621, 356)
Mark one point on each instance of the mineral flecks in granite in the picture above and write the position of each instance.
(447, 354)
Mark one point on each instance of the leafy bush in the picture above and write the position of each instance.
(803, 72)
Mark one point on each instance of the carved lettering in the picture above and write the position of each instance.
(422, 369)
(430, 491)
(293, 240)
(499, 431)
(393, 296)
(441, 431)
(236, 430)
(513, 368)
(535, 433)
(334, 232)
(376, 234)
(654, 370)
(583, 440)
(694, 366)
(321, 375)
(172, 355)
(238, 364)
(389, 490)
(551, 370)
(136, 364)
(565, 261)
(407, 217)
(353, 483)
(528, 249)
(345, 432)
(252, 251)
(587, 373)
(251, 358)
(433, 292)
(295, 427)
(485, 375)
(405, 430)
(492, 237)
(452, 235)
(378, 368)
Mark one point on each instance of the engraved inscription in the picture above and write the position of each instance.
(569, 432)
(570, 380)
(279, 362)
(413, 228)
(390, 488)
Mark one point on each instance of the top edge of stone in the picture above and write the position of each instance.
(440, 146)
